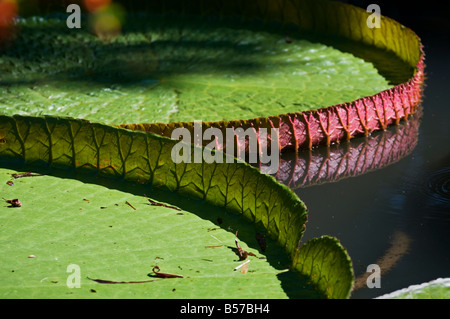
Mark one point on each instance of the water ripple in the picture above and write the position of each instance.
(437, 191)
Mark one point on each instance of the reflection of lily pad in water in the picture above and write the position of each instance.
(357, 157)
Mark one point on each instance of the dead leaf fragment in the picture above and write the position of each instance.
(240, 252)
(13, 202)
(157, 273)
(244, 265)
(244, 268)
(153, 203)
(128, 203)
(103, 281)
(27, 174)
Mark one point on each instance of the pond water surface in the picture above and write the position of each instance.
(387, 197)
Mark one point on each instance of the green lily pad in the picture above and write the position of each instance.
(435, 289)
(112, 233)
(177, 69)
(65, 221)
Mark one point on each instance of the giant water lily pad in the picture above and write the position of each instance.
(434, 289)
(227, 70)
(176, 69)
(104, 231)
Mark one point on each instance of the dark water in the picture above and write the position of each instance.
(390, 204)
